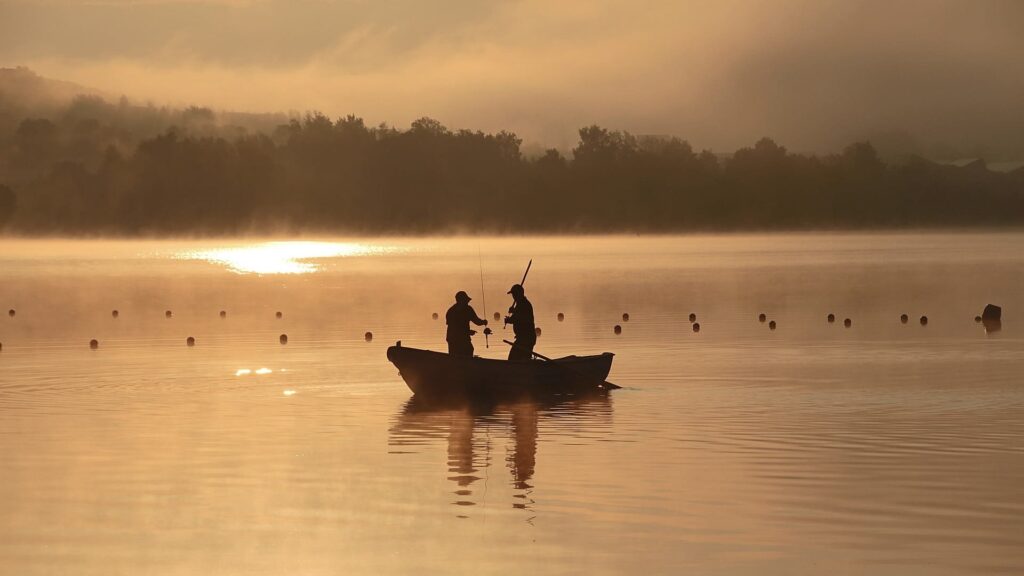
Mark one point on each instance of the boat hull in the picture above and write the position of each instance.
(435, 374)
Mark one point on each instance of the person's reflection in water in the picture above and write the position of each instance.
(523, 459)
(460, 456)
(471, 429)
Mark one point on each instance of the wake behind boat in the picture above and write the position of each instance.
(430, 373)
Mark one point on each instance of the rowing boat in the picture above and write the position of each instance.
(430, 373)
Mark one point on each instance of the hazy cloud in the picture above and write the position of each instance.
(813, 74)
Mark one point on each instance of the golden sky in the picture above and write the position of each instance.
(814, 74)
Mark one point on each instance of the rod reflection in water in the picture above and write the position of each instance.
(472, 430)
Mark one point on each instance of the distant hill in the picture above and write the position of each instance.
(24, 88)
(25, 96)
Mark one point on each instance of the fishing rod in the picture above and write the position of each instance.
(521, 282)
(483, 296)
(530, 263)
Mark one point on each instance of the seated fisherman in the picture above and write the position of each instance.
(458, 318)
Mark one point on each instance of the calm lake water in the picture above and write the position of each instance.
(883, 448)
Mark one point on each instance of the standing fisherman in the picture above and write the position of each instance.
(520, 316)
(458, 318)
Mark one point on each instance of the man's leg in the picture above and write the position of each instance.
(460, 348)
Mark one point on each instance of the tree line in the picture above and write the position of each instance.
(88, 171)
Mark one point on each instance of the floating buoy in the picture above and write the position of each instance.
(284, 338)
(693, 317)
(992, 318)
(625, 316)
(223, 313)
(561, 317)
(924, 320)
(167, 313)
(762, 317)
(368, 336)
(190, 341)
(904, 318)
(279, 315)
(497, 316)
(771, 325)
(537, 330)
(115, 313)
(94, 343)
(434, 316)
(618, 329)
(831, 318)
(977, 319)
(11, 312)
(696, 327)
(847, 322)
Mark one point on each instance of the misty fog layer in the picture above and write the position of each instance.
(98, 167)
(931, 77)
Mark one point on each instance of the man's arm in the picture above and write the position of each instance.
(476, 319)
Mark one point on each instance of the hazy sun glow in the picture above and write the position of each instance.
(280, 257)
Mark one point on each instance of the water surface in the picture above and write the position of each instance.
(883, 448)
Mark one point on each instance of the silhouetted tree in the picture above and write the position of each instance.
(8, 204)
(115, 168)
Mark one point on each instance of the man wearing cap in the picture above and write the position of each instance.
(458, 318)
(520, 316)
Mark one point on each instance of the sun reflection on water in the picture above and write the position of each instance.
(291, 257)
(258, 371)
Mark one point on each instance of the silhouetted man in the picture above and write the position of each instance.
(458, 318)
(520, 316)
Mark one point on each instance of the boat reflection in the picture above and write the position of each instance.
(475, 431)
